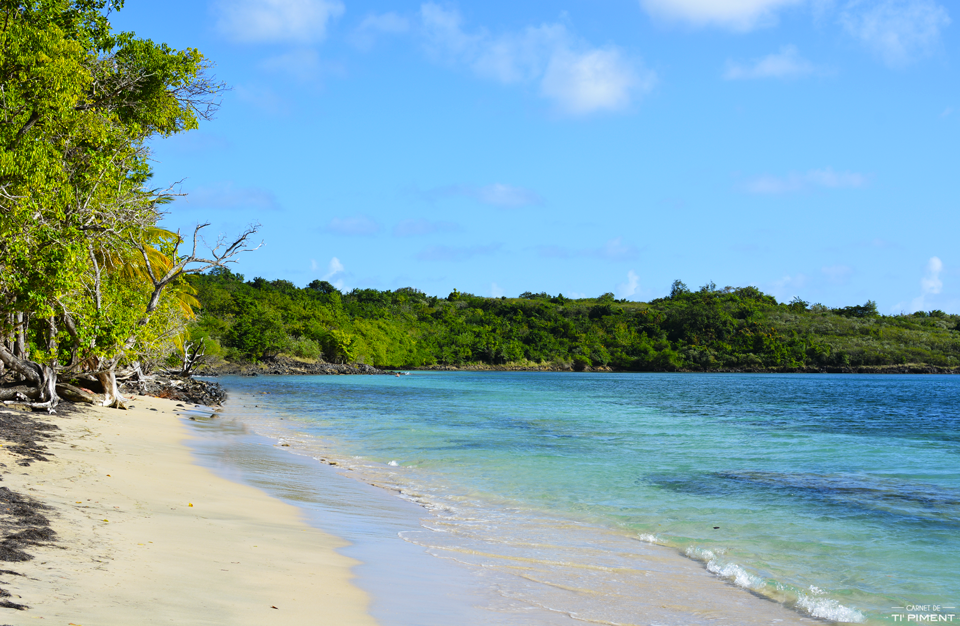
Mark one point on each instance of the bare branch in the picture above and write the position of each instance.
(222, 254)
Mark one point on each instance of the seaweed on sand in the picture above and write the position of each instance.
(22, 522)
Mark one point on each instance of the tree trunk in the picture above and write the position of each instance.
(192, 357)
(52, 341)
(111, 392)
(39, 390)
(20, 343)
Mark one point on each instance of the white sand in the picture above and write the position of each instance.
(131, 549)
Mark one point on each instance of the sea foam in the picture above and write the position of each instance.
(812, 602)
(731, 571)
(827, 608)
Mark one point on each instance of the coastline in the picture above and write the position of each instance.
(290, 366)
(658, 582)
(146, 535)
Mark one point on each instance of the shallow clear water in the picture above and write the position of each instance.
(837, 496)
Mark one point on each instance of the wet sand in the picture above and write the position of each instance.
(144, 535)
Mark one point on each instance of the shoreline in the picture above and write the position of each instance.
(666, 587)
(144, 534)
(406, 585)
(864, 369)
(287, 366)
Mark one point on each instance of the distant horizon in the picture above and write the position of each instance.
(801, 146)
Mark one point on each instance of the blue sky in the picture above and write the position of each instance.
(807, 147)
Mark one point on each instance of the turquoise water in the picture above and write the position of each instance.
(836, 496)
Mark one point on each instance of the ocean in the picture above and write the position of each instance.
(644, 498)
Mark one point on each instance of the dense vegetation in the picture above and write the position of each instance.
(88, 281)
(708, 329)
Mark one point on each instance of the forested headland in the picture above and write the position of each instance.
(705, 329)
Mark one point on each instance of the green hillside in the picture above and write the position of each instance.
(706, 329)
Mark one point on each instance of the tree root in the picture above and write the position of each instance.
(40, 385)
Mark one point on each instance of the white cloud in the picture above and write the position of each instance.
(821, 9)
(946, 112)
(613, 250)
(578, 78)
(254, 21)
(593, 80)
(496, 194)
(734, 14)
(263, 98)
(521, 56)
(496, 291)
(629, 288)
(385, 23)
(793, 182)
(506, 196)
(899, 31)
(227, 195)
(834, 180)
(456, 253)
(411, 228)
(335, 272)
(787, 287)
(303, 64)
(617, 250)
(930, 284)
(377, 24)
(359, 225)
(784, 64)
(335, 267)
(444, 32)
(837, 273)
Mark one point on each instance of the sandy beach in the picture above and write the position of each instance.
(146, 536)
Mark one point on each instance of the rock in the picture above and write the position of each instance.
(184, 390)
(286, 366)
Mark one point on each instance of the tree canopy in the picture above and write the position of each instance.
(703, 330)
(82, 261)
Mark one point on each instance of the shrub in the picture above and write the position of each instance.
(581, 363)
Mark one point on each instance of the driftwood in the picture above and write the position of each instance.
(78, 394)
(132, 372)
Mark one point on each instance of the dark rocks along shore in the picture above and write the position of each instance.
(286, 366)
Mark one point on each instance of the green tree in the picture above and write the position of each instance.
(257, 330)
(678, 288)
(79, 105)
